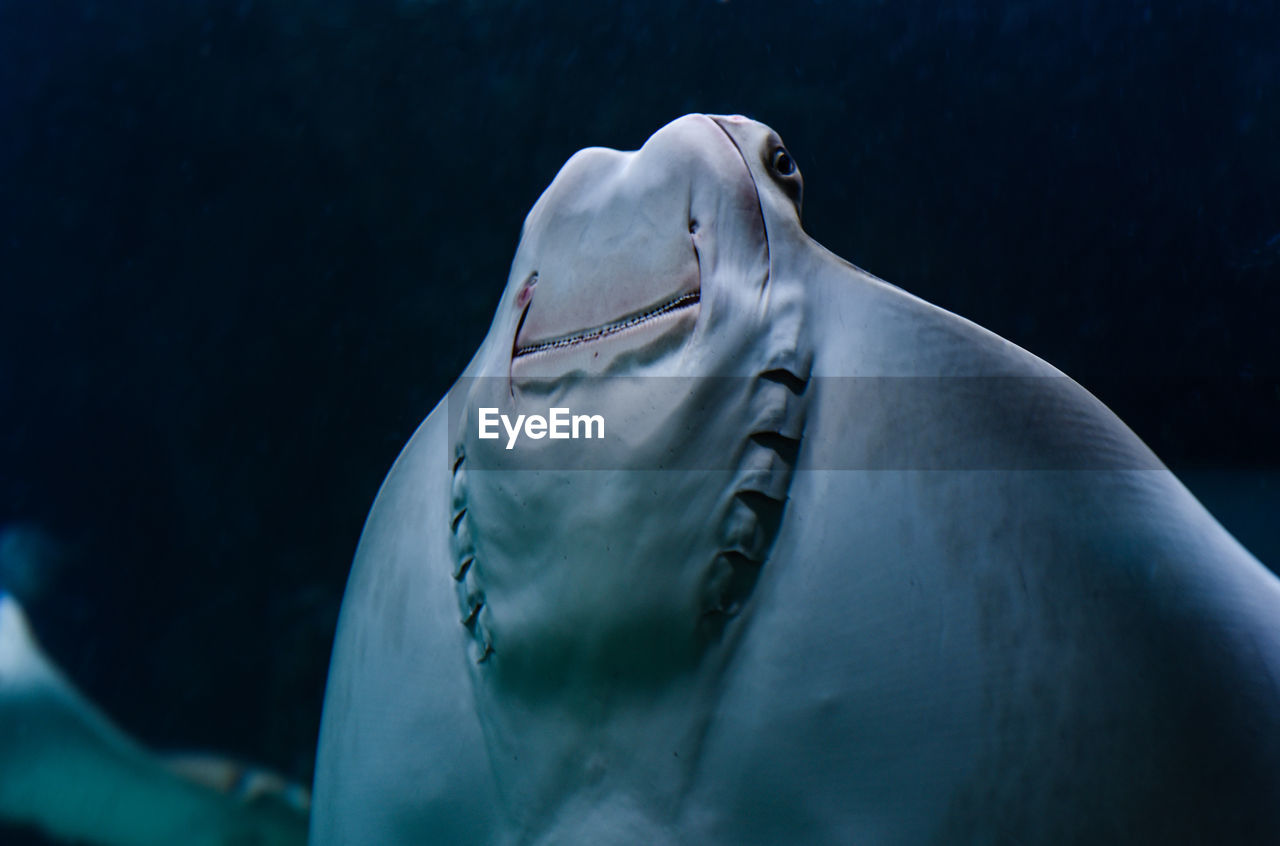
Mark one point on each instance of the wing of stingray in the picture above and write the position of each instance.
(390, 771)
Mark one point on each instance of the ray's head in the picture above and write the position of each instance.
(625, 243)
(642, 265)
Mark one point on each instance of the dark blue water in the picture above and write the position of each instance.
(245, 246)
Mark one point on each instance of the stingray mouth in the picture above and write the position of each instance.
(669, 308)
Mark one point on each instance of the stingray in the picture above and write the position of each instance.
(843, 567)
(67, 771)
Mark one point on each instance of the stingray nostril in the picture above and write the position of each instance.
(525, 294)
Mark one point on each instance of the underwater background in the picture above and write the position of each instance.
(245, 246)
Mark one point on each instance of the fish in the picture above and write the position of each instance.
(844, 567)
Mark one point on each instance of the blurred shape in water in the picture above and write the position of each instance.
(68, 771)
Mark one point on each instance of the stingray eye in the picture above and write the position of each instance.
(782, 162)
